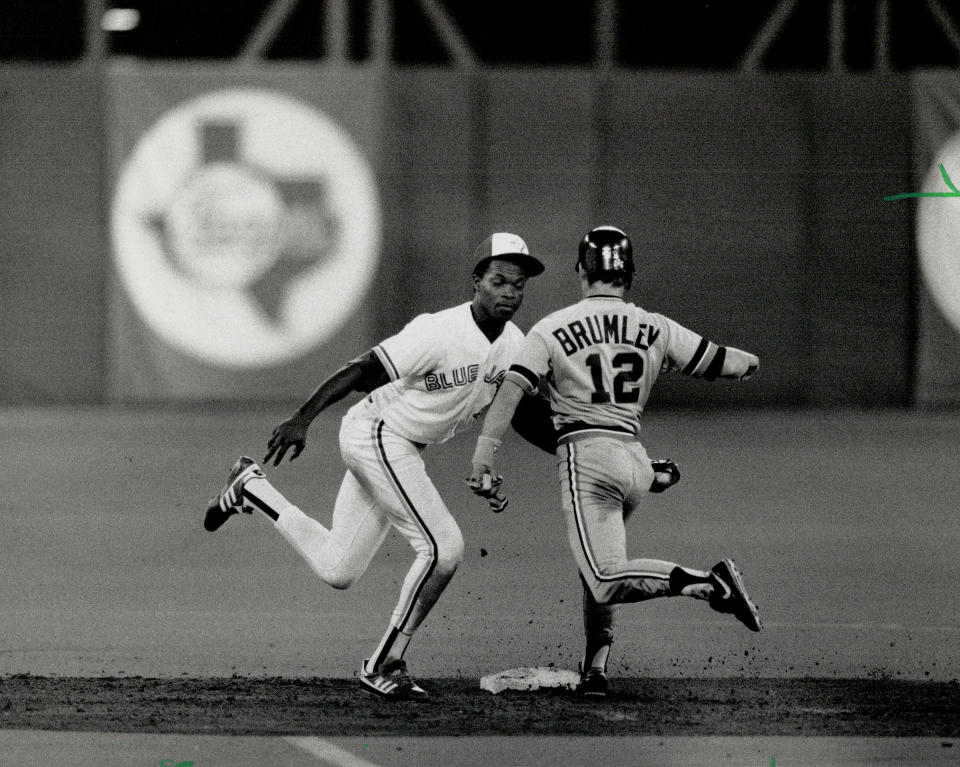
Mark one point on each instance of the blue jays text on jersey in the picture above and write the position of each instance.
(461, 376)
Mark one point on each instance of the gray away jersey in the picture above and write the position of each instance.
(600, 357)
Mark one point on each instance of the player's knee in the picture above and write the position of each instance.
(341, 582)
(450, 553)
(449, 560)
(340, 579)
(603, 593)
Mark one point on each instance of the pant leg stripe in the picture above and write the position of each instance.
(384, 649)
(582, 530)
(435, 550)
(577, 512)
(260, 504)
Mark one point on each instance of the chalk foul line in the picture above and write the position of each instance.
(327, 752)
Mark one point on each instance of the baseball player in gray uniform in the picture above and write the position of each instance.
(424, 384)
(599, 359)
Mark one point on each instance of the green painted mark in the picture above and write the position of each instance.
(946, 180)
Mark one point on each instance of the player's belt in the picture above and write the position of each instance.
(574, 432)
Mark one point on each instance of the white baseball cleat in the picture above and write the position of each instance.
(391, 680)
(229, 500)
(730, 595)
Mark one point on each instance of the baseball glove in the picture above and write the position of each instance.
(665, 474)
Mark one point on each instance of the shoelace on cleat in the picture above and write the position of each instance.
(402, 677)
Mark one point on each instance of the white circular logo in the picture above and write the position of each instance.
(938, 234)
(245, 228)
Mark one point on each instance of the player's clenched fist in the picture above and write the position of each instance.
(753, 365)
(498, 502)
(483, 480)
(290, 433)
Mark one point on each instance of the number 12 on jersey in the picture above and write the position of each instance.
(625, 389)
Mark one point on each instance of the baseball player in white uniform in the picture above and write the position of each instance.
(599, 359)
(435, 377)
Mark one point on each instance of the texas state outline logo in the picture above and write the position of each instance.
(938, 232)
(245, 228)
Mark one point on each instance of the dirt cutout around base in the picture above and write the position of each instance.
(636, 706)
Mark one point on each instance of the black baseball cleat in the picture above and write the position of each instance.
(391, 680)
(593, 684)
(730, 596)
(229, 500)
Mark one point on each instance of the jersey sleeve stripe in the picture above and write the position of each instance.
(696, 358)
(387, 362)
(524, 377)
(716, 365)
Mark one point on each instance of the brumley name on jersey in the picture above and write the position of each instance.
(603, 328)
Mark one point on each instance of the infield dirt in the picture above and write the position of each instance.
(638, 706)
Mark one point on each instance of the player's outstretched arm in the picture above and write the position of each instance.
(693, 355)
(365, 374)
(483, 480)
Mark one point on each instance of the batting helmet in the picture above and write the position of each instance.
(606, 253)
(508, 247)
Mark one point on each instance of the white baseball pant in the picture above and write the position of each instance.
(385, 485)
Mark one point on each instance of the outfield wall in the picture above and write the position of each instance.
(755, 204)
(53, 265)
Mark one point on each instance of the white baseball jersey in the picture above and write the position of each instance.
(600, 358)
(443, 373)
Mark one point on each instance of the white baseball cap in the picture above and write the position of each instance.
(509, 247)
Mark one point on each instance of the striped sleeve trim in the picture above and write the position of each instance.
(707, 361)
(715, 368)
(697, 358)
(382, 355)
(525, 378)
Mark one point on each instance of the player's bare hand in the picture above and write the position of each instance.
(753, 366)
(483, 481)
(498, 502)
(740, 365)
(292, 433)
